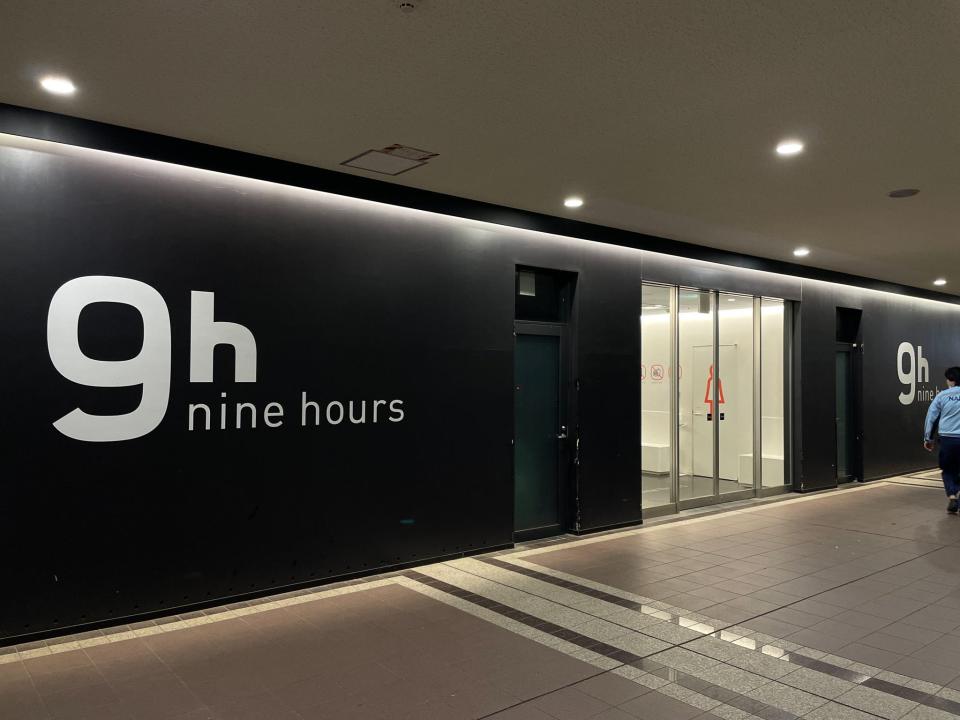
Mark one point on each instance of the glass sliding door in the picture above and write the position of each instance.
(735, 386)
(657, 348)
(696, 330)
(714, 397)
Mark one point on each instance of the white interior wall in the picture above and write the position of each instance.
(771, 392)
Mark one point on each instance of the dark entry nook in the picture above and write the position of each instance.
(541, 402)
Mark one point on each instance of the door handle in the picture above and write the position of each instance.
(562, 435)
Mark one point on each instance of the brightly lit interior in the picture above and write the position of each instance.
(701, 349)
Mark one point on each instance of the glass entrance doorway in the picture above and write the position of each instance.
(713, 381)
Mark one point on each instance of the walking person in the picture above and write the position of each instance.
(944, 415)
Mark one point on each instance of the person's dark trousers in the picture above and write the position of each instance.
(950, 464)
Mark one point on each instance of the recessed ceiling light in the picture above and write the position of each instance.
(939, 281)
(789, 147)
(902, 193)
(58, 85)
(801, 252)
(573, 202)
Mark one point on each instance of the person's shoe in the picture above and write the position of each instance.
(952, 507)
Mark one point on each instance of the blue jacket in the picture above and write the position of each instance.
(945, 408)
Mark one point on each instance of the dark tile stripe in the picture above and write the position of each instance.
(934, 701)
(827, 668)
(941, 703)
(566, 584)
(898, 690)
(601, 648)
(625, 657)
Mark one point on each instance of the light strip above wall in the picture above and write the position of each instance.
(198, 174)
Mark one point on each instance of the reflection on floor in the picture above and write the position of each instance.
(656, 488)
(829, 607)
(934, 475)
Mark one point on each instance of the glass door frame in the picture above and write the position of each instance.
(717, 496)
(673, 390)
(757, 490)
(788, 375)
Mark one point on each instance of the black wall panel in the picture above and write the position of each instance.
(348, 300)
(816, 384)
(892, 431)
(609, 349)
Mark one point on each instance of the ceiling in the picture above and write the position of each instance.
(662, 114)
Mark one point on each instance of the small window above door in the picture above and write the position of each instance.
(543, 295)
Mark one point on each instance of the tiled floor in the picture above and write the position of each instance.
(836, 606)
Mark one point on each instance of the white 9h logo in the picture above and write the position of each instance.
(151, 366)
(912, 368)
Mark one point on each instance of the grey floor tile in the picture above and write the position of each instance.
(834, 711)
(760, 664)
(657, 706)
(685, 660)
(891, 607)
(526, 711)
(869, 655)
(912, 632)
(931, 672)
(818, 683)
(799, 702)
(770, 626)
(927, 713)
(892, 643)
(614, 714)
(611, 689)
(571, 704)
(732, 678)
(876, 703)
(796, 617)
(814, 606)
(818, 640)
(863, 620)
(640, 643)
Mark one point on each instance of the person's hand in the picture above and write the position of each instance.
(928, 445)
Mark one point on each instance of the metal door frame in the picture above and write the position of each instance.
(717, 497)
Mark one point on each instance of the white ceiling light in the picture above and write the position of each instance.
(801, 252)
(58, 85)
(789, 147)
(573, 202)
(939, 281)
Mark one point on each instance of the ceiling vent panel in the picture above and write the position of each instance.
(391, 160)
